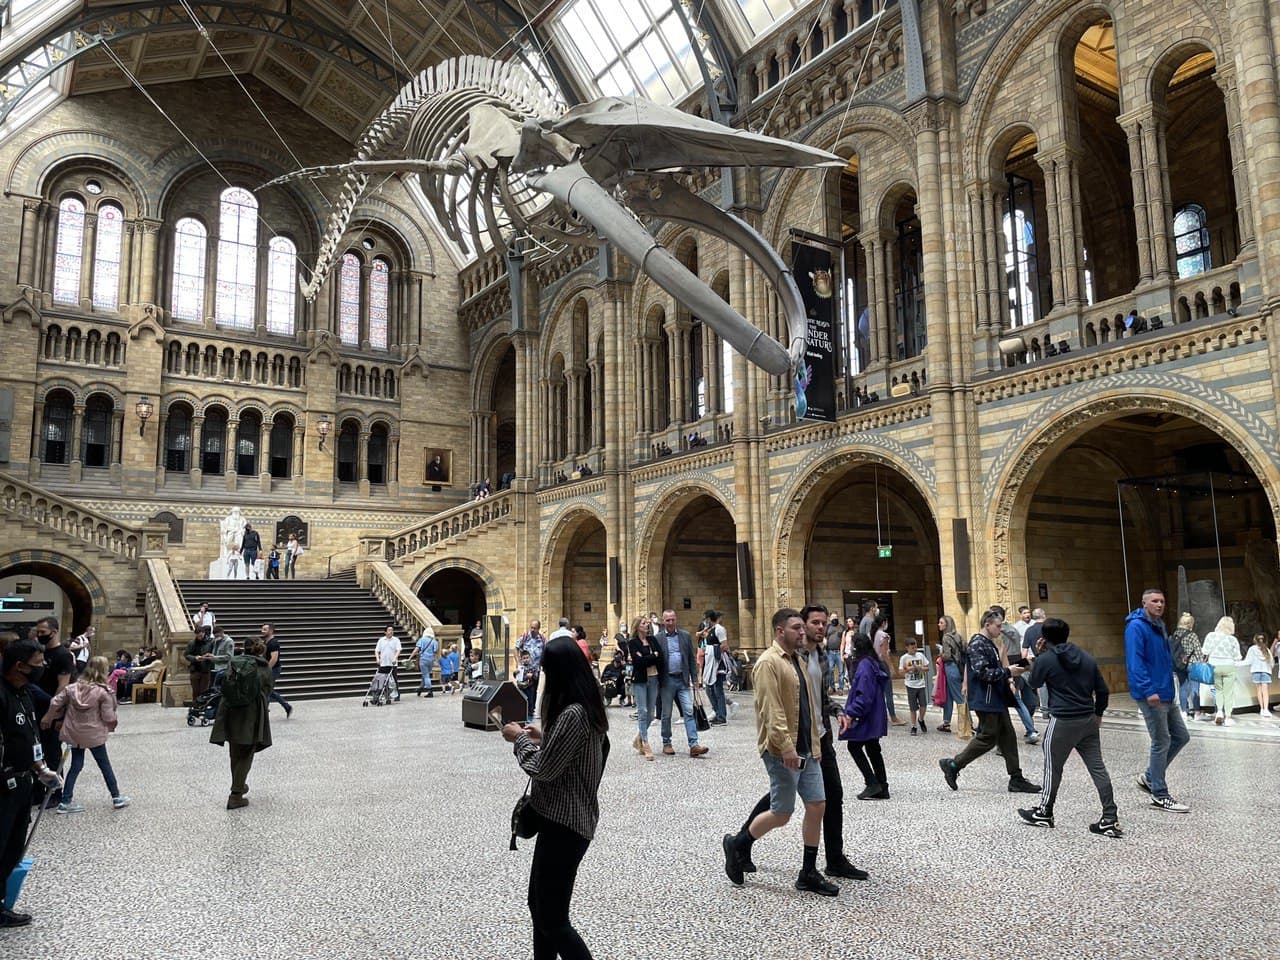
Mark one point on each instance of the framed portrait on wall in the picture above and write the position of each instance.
(438, 469)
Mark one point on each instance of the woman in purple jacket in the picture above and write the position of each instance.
(864, 721)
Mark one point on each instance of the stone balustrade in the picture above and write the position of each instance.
(95, 530)
(393, 593)
(439, 529)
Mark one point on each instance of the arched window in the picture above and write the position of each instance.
(237, 259)
(348, 451)
(349, 300)
(177, 439)
(96, 433)
(213, 442)
(247, 435)
(106, 257)
(281, 446)
(70, 249)
(379, 279)
(281, 272)
(1019, 268)
(187, 300)
(57, 427)
(1191, 240)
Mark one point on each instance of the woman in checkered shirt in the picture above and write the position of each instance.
(565, 765)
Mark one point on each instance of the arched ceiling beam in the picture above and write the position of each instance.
(62, 44)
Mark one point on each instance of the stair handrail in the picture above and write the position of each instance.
(443, 526)
(329, 559)
(67, 517)
(169, 626)
(393, 593)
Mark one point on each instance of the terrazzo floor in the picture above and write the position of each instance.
(383, 833)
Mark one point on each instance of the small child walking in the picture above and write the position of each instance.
(88, 712)
(1261, 668)
(914, 667)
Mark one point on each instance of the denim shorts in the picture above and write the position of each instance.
(1259, 677)
(784, 784)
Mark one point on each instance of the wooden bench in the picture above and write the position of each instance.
(153, 687)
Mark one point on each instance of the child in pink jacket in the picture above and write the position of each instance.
(88, 712)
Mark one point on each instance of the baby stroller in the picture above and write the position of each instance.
(204, 708)
(382, 688)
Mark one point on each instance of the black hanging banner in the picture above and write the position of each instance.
(813, 270)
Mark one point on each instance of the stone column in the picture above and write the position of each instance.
(393, 459)
(87, 250)
(362, 470)
(197, 445)
(299, 437)
(1225, 77)
(526, 399)
(1054, 242)
(264, 455)
(573, 429)
(1132, 124)
(49, 245)
(160, 454)
(27, 247)
(678, 370)
(366, 270)
(149, 290)
(1159, 207)
(231, 453)
(37, 438)
(596, 439)
(117, 442)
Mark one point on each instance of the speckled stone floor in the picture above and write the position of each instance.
(383, 833)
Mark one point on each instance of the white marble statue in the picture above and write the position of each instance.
(230, 534)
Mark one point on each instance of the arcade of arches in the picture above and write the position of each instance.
(1055, 273)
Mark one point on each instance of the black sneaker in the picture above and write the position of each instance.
(950, 772)
(11, 918)
(845, 870)
(913, 731)
(732, 862)
(1021, 784)
(1169, 805)
(748, 865)
(923, 728)
(1036, 817)
(1107, 828)
(811, 881)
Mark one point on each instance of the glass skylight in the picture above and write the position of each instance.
(629, 49)
(763, 14)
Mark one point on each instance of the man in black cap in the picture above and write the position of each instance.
(21, 760)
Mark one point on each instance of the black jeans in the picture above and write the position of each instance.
(275, 694)
(15, 815)
(995, 732)
(869, 759)
(833, 814)
(555, 867)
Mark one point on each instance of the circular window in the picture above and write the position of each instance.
(92, 186)
(367, 243)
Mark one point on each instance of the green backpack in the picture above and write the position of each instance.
(241, 685)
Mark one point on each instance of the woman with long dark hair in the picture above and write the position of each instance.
(863, 721)
(644, 682)
(565, 765)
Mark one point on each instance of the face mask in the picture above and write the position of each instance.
(34, 674)
(44, 637)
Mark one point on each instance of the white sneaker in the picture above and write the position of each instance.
(1229, 722)
(1169, 804)
(1266, 713)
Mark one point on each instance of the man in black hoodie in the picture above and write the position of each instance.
(1077, 699)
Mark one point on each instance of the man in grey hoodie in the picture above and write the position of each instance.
(1078, 697)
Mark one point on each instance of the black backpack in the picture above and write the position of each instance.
(241, 685)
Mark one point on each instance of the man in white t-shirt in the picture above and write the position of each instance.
(387, 653)
(1023, 622)
(915, 673)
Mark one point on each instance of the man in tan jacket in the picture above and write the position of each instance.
(788, 734)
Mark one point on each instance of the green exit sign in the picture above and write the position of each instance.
(884, 552)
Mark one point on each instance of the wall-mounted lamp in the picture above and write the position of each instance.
(324, 426)
(144, 408)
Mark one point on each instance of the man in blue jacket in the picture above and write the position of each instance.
(1149, 665)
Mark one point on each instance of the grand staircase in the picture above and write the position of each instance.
(327, 630)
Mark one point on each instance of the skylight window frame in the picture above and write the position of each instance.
(620, 53)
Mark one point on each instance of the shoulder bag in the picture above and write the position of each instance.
(524, 820)
(1201, 671)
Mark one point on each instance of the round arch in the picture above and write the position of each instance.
(1048, 431)
(808, 490)
(576, 528)
(495, 599)
(78, 582)
(660, 522)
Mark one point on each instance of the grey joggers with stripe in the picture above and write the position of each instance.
(1061, 736)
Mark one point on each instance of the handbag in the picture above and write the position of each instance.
(524, 819)
(940, 686)
(700, 712)
(1201, 671)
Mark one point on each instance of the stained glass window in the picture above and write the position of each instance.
(106, 257)
(378, 280)
(1191, 240)
(349, 300)
(281, 274)
(187, 301)
(237, 259)
(66, 264)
